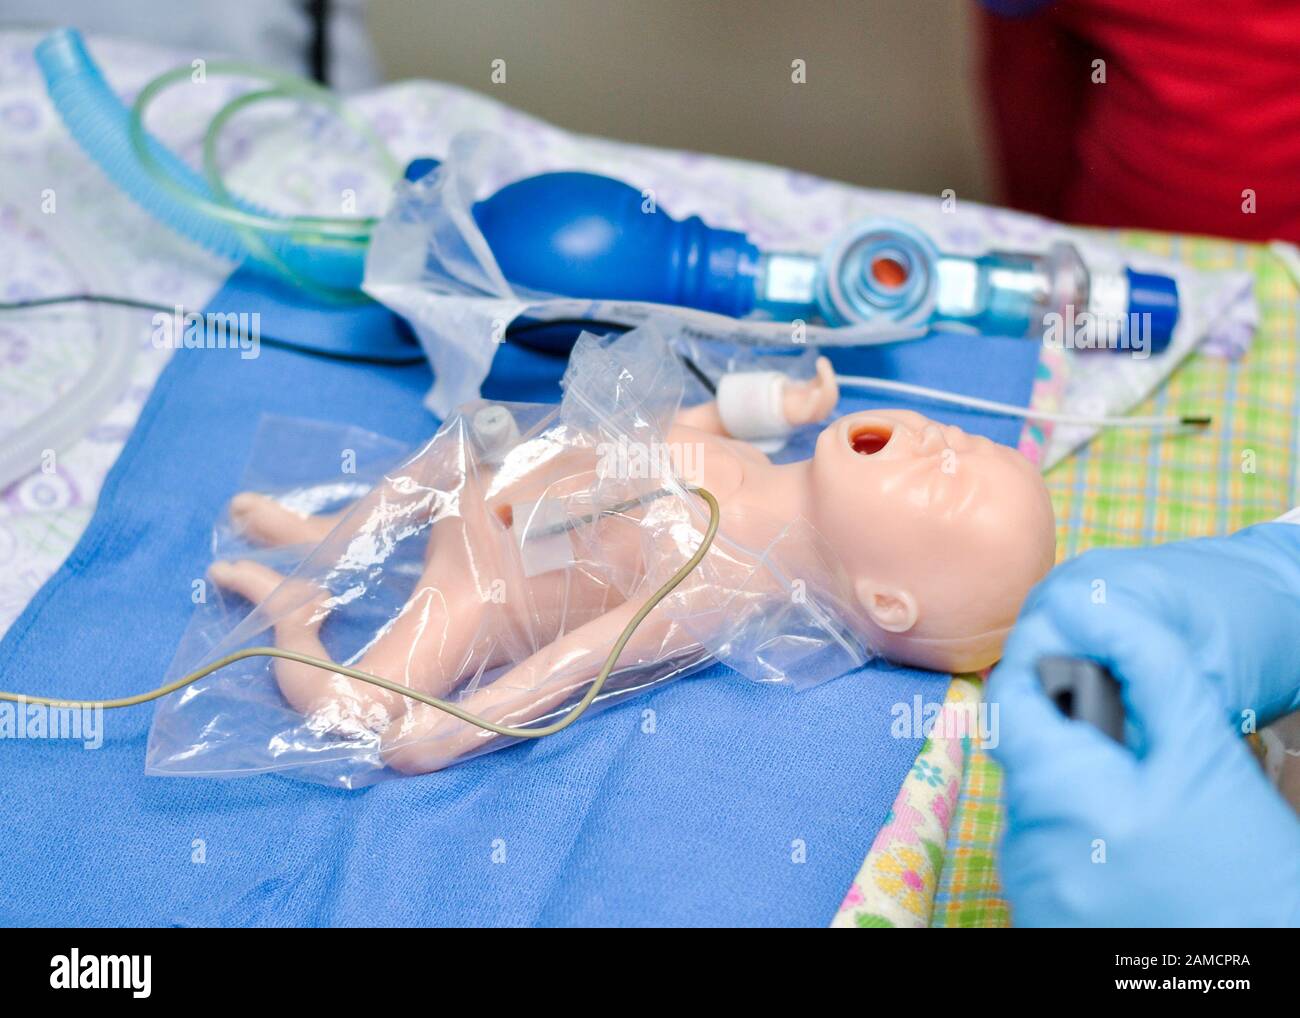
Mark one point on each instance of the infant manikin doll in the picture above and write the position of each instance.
(931, 536)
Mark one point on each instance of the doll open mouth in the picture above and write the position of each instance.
(868, 439)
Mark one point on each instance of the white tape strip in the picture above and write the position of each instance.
(751, 406)
(541, 550)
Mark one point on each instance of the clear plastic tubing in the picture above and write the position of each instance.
(98, 390)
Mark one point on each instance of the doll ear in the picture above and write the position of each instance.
(893, 610)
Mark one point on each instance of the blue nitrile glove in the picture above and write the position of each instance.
(1189, 829)
(1234, 602)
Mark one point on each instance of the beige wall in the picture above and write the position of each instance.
(889, 100)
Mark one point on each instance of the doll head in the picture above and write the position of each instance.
(940, 533)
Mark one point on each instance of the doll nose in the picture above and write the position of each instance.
(959, 440)
(933, 437)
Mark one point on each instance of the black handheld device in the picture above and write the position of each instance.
(1085, 691)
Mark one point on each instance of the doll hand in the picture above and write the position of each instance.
(811, 401)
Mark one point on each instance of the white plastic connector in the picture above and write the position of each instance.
(495, 431)
(1108, 294)
(752, 406)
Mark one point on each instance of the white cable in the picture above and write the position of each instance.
(1010, 410)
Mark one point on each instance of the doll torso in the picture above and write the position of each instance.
(596, 564)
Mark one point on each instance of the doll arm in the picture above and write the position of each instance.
(765, 404)
(427, 739)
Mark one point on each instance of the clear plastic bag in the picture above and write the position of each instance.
(495, 567)
(429, 261)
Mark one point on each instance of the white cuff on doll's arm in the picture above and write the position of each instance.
(1292, 517)
(751, 405)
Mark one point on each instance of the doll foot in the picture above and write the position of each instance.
(422, 742)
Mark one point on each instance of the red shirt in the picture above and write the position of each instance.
(1201, 102)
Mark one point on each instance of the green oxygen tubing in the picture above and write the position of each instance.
(324, 255)
(572, 715)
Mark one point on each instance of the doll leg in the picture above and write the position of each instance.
(268, 522)
(307, 688)
(427, 739)
(435, 639)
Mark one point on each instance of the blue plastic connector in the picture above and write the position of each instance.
(1156, 295)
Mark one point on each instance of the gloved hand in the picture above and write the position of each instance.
(1189, 829)
(1232, 602)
